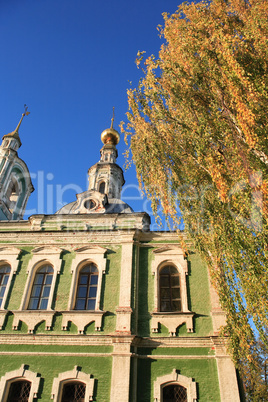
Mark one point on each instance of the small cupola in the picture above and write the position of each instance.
(15, 181)
(106, 176)
(12, 140)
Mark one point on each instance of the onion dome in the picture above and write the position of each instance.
(110, 135)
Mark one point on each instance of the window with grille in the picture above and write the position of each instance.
(4, 275)
(174, 393)
(41, 288)
(19, 391)
(73, 392)
(87, 288)
(169, 289)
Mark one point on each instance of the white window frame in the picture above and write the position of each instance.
(175, 379)
(81, 318)
(174, 256)
(85, 256)
(21, 374)
(70, 376)
(42, 256)
(9, 256)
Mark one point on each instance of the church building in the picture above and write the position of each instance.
(96, 307)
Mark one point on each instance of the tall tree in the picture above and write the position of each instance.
(198, 129)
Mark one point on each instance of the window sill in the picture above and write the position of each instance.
(33, 317)
(172, 320)
(81, 318)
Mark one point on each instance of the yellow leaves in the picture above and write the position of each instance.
(197, 129)
(139, 57)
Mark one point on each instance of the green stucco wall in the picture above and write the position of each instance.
(203, 371)
(109, 294)
(197, 292)
(50, 366)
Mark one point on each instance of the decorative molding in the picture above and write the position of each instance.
(170, 255)
(8, 255)
(82, 318)
(21, 374)
(42, 255)
(172, 321)
(3, 314)
(32, 318)
(173, 254)
(85, 255)
(90, 201)
(73, 375)
(174, 379)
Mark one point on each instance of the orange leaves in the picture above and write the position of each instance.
(198, 127)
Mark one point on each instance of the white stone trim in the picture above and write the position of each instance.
(42, 255)
(86, 255)
(174, 378)
(21, 374)
(8, 255)
(172, 321)
(73, 375)
(81, 319)
(171, 255)
(33, 317)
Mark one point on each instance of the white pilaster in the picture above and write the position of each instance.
(124, 310)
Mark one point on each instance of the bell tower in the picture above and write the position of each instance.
(15, 182)
(106, 176)
(106, 180)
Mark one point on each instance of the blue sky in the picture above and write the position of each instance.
(71, 61)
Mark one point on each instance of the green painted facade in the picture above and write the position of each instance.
(126, 349)
(153, 355)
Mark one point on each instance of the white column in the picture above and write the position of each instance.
(227, 380)
(120, 385)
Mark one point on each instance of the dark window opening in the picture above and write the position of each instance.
(102, 187)
(174, 393)
(73, 392)
(87, 288)
(4, 275)
(19, 391)
(169, 289)
(89, 204)
(41, 288)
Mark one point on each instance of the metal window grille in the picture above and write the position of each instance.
(19, 391)
(174, 393)
(73, 392)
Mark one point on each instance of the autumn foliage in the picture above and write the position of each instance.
(198, 131)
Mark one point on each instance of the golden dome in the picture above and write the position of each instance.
(110, 136)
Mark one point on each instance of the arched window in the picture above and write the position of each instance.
(19, 391)
(102, 187)
(12, 193)
(87, 288)
(169, 289)
(174, 393)
(41, 288)
(4, 275)
(73, 392)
